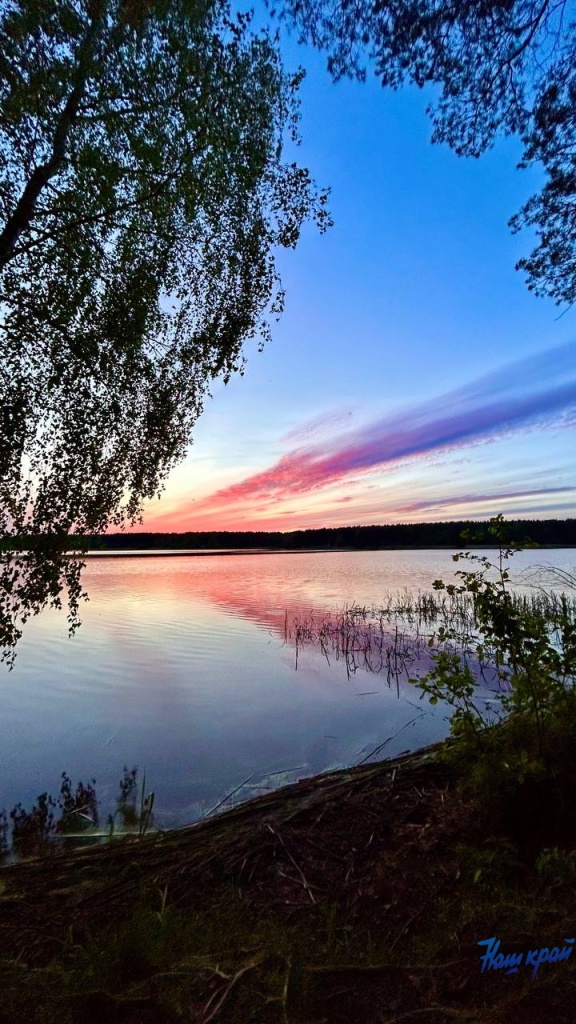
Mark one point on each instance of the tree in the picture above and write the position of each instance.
(500, 67)
(142, 195)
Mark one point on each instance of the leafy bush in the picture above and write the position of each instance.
(523, 768)
(79, 807)
(31, 829)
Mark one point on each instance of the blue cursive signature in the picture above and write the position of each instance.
(495, 961)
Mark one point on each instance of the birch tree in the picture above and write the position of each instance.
(143, 194)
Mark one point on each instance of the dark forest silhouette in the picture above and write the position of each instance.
(553, 532)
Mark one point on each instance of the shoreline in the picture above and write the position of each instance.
(375, 884)
(218, 552)
(152, 553)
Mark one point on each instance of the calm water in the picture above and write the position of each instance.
(180, 668)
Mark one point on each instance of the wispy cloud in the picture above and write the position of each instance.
(492, 499)
(317, 427)
(536, 392)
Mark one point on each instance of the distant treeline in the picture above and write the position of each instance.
(547, 532)
(555, 532)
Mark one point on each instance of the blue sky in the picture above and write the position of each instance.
(412, 376)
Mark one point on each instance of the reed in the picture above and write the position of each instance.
(406, 628)
(350, 637)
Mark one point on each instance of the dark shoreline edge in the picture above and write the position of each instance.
(152, 553)
(294, 797)
(452, 535)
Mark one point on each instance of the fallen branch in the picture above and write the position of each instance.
(233, 981)
(227, 797)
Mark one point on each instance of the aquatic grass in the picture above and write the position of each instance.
(406, 628)
(146, 808)
(350, 637)
(134, 821)
(39, 831)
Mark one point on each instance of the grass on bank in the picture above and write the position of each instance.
(356, 897)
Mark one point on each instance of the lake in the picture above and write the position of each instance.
(181, 668)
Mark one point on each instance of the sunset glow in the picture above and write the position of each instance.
(310, 483)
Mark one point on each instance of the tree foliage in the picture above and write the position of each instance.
(143, 191)
(500, 67)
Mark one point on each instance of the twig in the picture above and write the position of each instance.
(414, 916)
(449, 1011)
(328, 853)
(385, 966)
(286, 989)
(283, 997)
(228, 795)
(321, 815)
(389, 740)
(228, 989)
(298, 868)
(255, 865)
(283, 771)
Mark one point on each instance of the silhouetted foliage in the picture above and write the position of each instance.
(143, 192)
(31, 832)
(501, 67)
(79, 806)
(30, 829)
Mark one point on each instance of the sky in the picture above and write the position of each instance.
(412, 377)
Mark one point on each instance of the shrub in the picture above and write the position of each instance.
(523, 768)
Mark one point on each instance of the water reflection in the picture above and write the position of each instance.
(182, 668)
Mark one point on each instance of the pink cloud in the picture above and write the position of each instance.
(520, 397)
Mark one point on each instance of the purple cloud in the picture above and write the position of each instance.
(475, 499)
(523, 395)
